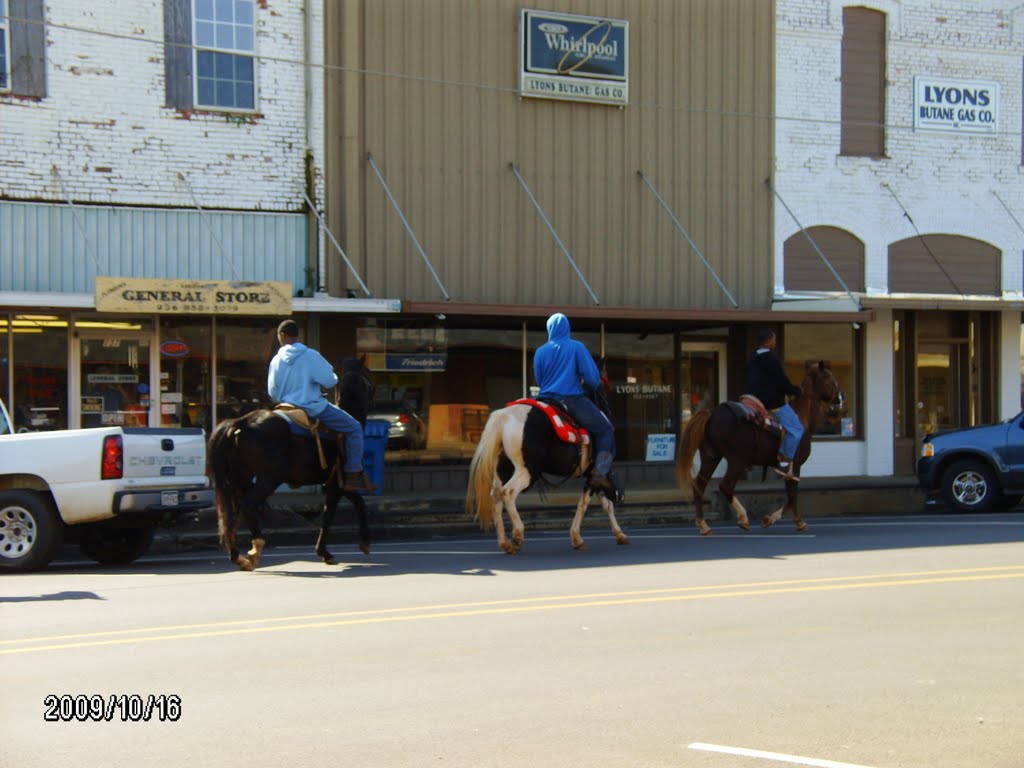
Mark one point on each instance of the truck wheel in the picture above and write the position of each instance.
(114, 546)
(30, 531)
(970, 486)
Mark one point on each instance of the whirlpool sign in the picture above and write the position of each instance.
(960, 106)
(577, 58)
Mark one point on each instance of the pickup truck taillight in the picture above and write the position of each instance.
(112, 466)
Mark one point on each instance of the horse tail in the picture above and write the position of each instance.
(689, 443)
(483, 467)
(219, 469)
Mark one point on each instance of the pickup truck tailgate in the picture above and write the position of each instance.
(165, 453)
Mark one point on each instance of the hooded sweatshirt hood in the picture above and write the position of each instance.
(558, 327)
(292, 352)
(563, 366)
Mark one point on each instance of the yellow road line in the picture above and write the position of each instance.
(515, 601)
(548, 603)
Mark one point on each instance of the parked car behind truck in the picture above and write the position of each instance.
(106, 488)
(977, 469)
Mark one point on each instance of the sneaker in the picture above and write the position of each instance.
(785, 470)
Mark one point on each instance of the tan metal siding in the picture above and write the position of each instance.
(440, 113)
(965, 265)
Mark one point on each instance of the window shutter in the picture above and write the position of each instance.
(178, 53)
(863, 76)
(28, 48)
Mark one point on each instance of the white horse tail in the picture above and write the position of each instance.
(483, 467)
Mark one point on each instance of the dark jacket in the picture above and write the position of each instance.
(767, 381)
(356, 389)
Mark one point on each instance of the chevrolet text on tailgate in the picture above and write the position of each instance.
(106, 488)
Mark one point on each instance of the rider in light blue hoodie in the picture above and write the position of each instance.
(563, 368)
(296, 375)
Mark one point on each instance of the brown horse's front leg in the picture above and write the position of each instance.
(792, 486)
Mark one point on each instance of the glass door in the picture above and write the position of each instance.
(115, 379)
(701, 377)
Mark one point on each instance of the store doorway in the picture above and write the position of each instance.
(701, 383)
(115, 379)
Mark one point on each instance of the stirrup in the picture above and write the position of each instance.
(357, 481)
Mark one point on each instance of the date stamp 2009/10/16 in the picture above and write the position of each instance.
(128, 708)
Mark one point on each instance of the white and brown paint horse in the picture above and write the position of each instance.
(720, 434)
(518, 447)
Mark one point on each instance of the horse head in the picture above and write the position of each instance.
(822, 384)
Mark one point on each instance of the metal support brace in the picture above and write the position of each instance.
(1007, 209)
(209, 226)
(405, 223)
(693, 245)
(554, 234)
(924, 242)
(78, 221)
(814, 245)
(340, 250)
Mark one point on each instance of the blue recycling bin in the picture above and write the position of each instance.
(375, 441)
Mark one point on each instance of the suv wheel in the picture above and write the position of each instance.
(970, 486)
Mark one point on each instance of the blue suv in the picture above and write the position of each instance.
(977, 469)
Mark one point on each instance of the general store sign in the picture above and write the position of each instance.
(208, 297)
(958, 106)
(577, 58)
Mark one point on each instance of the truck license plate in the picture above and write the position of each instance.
(169, 498)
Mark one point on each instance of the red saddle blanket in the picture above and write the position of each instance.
(565, 429)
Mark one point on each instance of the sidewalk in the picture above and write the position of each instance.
(293, 514)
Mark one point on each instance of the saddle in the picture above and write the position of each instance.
(750, 408)
(300, 424)
(565, 428)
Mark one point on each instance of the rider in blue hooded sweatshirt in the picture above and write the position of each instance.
(562, 368)
(296, 375)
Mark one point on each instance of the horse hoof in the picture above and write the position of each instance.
(245, 564)
(801, 527)
(327, 557)
(581, 546)
(744, 526)
(623, 539)
(766, 522)
(364, 548)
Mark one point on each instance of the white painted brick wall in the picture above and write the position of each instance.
(946, 181)
(103, 123)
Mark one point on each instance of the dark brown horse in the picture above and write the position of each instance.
(720, 434)
(250, 457)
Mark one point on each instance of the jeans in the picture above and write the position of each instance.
(602, 434)
(794, 430)
(340, 421)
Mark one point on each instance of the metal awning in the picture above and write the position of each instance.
(942, 301)
(658, 315)
(321, 304)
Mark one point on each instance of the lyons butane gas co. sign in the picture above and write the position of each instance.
(578, 58)
(213, 297)
(960, 106)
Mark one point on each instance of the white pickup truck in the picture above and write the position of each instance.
(107, 488)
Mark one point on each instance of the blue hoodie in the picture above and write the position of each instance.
(296, 375)
(562, 363)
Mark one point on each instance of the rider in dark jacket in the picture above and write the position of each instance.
(767, 381)
(356, 389)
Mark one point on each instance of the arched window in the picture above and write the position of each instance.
(945, 264)
(805, 271)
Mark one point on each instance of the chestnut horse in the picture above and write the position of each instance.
(720, 434)
(250, 457)
(518, 446)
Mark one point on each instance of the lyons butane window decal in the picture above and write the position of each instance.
(577, 58)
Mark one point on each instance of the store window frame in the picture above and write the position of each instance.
(855, 401)
(5, 48)
(213, 54)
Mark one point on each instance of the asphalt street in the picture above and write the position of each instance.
(870, 642)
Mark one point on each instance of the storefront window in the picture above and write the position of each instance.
(835, 343)
(185, 370)
(39, 352)
(5, 356)
(640, 368)
(244, 351)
